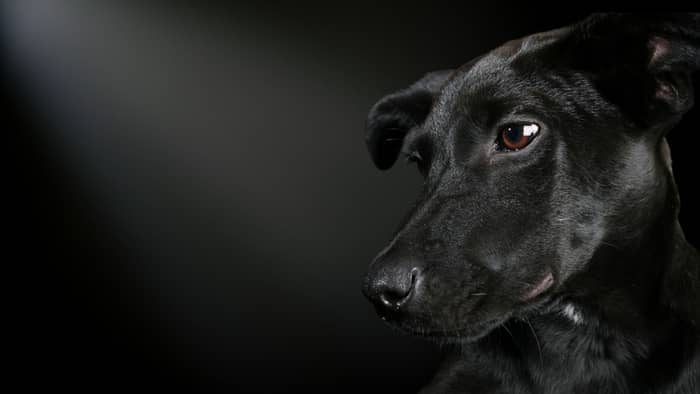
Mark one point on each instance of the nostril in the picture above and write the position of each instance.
(395, 297)
(392, 299)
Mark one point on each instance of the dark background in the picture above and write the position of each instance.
(196, 206)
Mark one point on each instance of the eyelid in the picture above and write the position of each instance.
(413, 155)
(504, 123)
(419, 146)
(410, 149)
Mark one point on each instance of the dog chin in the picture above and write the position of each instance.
(466, 334)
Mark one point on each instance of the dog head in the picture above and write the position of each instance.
(535, 156)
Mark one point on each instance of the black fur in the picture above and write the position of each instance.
(559, 267)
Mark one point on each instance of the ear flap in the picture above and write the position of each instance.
(642, 63)
(392, 117)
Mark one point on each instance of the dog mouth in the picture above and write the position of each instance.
(476, 330)
(544, 285)
(539, 297)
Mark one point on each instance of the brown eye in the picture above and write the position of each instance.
(517, 136)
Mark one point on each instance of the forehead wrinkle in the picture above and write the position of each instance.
(514, 48)
(510, 48)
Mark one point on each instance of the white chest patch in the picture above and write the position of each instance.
(572, 313)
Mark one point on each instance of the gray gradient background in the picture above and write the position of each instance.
(200, 202)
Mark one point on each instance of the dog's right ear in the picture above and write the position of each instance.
(642, 63)
(392, 117)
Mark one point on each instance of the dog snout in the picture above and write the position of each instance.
(391, 283)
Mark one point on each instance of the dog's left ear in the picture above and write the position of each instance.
(392, 117)
(640, 62)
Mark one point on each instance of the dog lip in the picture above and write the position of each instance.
(543, 286)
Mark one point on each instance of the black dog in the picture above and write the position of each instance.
(545, 242)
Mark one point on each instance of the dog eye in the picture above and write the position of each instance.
(415, 157)
(514, 137)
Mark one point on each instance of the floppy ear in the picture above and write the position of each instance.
(392, 117)
(641, 63)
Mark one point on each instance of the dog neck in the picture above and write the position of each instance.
(644, 269)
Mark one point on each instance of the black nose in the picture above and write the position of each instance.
(390, 284)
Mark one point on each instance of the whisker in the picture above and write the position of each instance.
(609, 244)
(518, 281)
(537, 341)
(509, 333)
